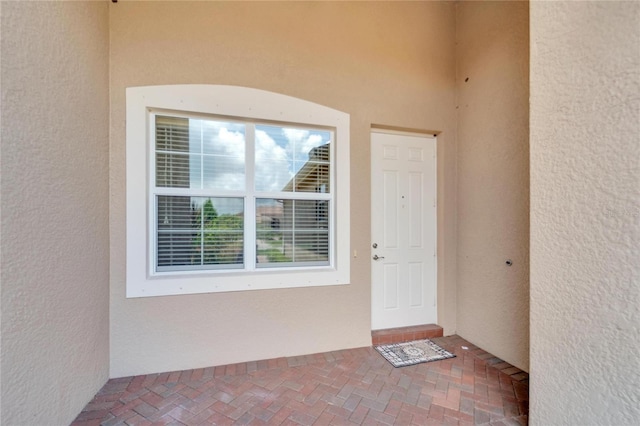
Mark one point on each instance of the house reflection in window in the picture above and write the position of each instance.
(305, 222)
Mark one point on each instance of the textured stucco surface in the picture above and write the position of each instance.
(383, 63)
(55, 240)
(585, 213)
(492, 64)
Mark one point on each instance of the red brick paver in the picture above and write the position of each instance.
(354, 386)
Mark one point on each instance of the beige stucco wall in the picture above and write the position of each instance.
(585, 213)
(492, 63)
(383, 63)
(55, 238)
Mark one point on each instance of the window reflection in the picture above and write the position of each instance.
(199, 154)
(292, 231)
(292, 160)
(198, 231)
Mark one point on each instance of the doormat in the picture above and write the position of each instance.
(411, 353)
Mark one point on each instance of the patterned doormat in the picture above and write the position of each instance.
(410, 353)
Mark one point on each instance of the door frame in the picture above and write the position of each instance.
(416, 133)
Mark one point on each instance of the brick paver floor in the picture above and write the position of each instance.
(354, 386)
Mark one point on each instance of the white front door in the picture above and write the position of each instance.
(403, 230)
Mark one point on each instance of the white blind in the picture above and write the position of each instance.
(192, 234)
(195, 232)
(199, 154)
(292, 231)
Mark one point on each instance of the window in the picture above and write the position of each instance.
(230, 188)
(202, 193)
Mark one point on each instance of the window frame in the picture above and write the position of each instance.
(249, 195)
(232, 103)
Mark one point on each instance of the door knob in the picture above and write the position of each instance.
(376, 257)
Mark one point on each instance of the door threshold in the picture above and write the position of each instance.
(405, 334)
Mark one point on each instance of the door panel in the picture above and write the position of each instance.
(390, 209)
(403, 218)
(416, 280)
(416, 209)
(391, 286)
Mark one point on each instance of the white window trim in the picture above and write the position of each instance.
(233, 101)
